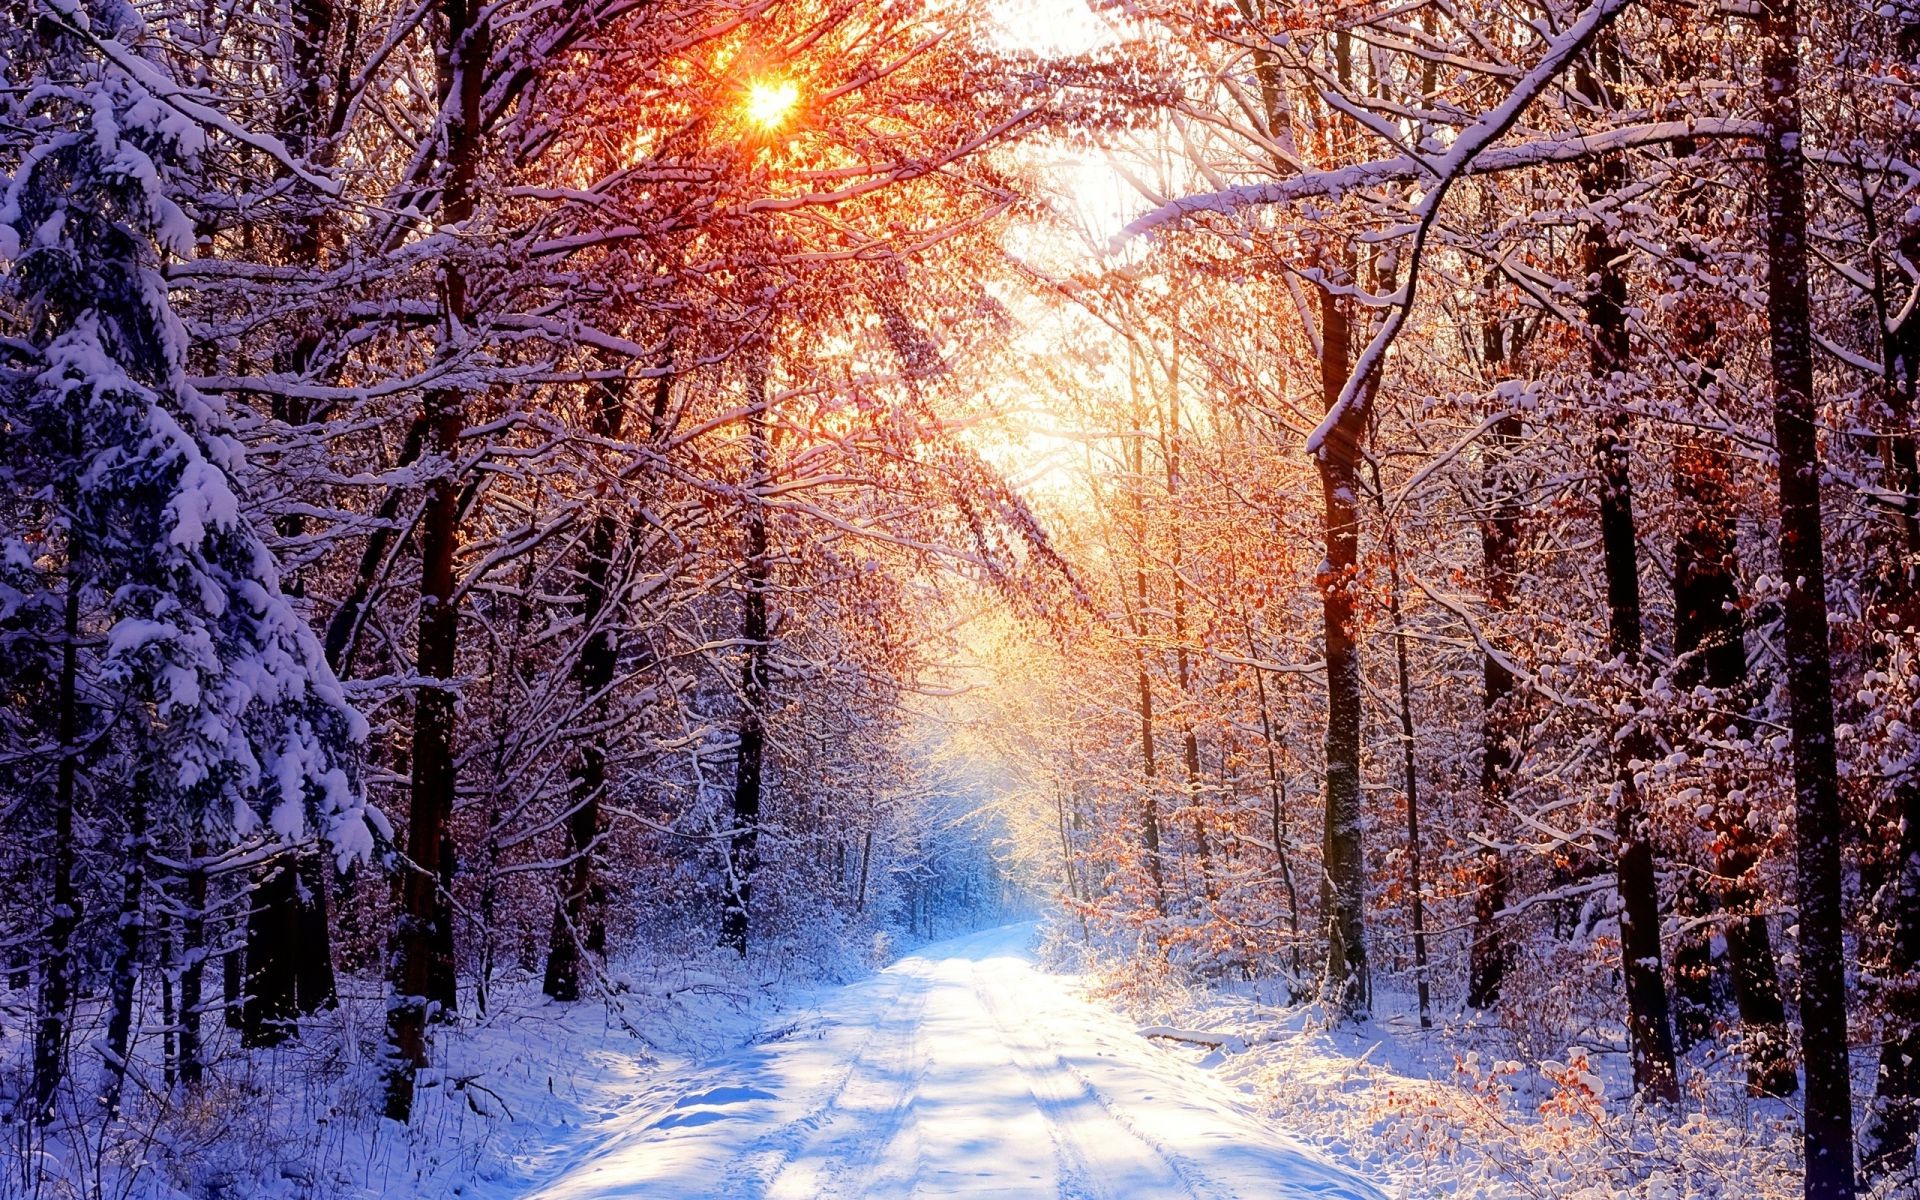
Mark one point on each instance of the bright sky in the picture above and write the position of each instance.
(1037, 440)
(1056, 26)
(1103, 198)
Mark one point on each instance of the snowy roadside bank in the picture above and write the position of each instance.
(517, 1092)
(1450, 1112)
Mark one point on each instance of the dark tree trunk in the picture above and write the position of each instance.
(593, 673)
(420, 955)
(1756, 978)
(269, 1015)
(1706, 645)
(63, 914)
(1828, 1109)
(743, 844)
(417, 937)
(1500, 556)
(1075, 893)
(1649, 1029)
(423, 911)
(1651, 1036)
(1893, 1118)
(232, 986)
(866, 859)
(313, 978)
(169, 1008)
(193, 967)
(1409, 773)
(1696, 1004)
(1149, 804)
(126, 959)
(1190, 741)
(1710, 649)
(1346, 984)
(443, 978)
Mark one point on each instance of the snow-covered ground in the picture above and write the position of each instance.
(961, 1070)
(1457, 1111)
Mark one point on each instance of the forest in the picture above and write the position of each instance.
(1400, 516)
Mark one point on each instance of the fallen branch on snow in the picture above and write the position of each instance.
(1232, 1043)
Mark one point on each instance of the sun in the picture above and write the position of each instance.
(771, 101)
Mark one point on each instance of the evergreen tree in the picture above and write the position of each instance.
(169, 676)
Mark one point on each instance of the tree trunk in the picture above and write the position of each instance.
(420, 959)
(1707, 649)
(743, 844)
(866, 858)
(193, 966)
(233, 987)
(169, 1009)
(1649, 1029)
(1488, 955)
(593, 673)
(1345, 985)
(1190, 741)
(1137, 621)
(63, 915)
(314, 986)
(1710, 649)
(126, 960)
(269, 1014)
(1409, 774)
(1756, 978)
(1828, 1110)
(1893, 1118)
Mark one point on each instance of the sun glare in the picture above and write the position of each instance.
(771, 101)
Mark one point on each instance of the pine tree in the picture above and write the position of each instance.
(176, 673)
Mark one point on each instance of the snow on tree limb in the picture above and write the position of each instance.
(1339, 181)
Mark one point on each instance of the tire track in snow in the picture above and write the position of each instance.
(773, 1166)
(1067, 1099)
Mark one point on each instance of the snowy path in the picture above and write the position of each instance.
(960, 1071)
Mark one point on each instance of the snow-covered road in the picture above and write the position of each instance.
(960, 1071)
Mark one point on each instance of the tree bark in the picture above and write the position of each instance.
(1345, 984)
(63, 916)
(315, 989)
(593, 673)
(269, 1014)
(1828, 1110)
(743, 843)
(126, 960)
(1277, 802)
(193, 966)
(1488, 955)
(1709, 648)
(1149, 803)
(420, 958)
(1190, 741)
(1409, 773)
(1649, 1028)
(1893, 1118)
